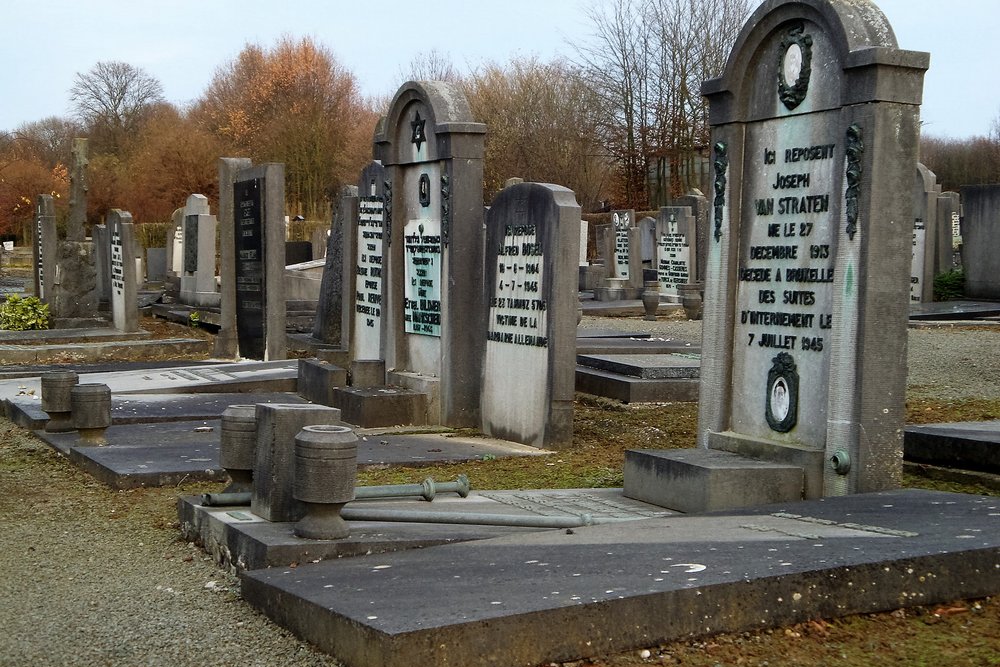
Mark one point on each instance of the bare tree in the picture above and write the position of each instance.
(541, 120)
(111, 100)
(647, 62)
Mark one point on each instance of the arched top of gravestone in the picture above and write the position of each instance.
(423, 122)
(800, 56)
(926, 178)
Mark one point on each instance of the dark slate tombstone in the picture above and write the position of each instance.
(259, 203)
(102, 265)
(121, 237)
(433, 154)
(156, 264)
(676, 256)
(367, 262)
(298, 252)
(330, 316)
(44, 246)
(815, 135)
(226, 343)
(980, 230)
(532, 237)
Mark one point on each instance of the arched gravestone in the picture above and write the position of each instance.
(433, 311)
(815, 132)
(529, 371)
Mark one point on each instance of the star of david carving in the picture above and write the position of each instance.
(418, 129)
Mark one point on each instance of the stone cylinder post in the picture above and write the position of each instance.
(326, 466)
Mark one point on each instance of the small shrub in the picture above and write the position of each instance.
(21, 314)
(949, 286)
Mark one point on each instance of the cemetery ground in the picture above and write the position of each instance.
(93, 576)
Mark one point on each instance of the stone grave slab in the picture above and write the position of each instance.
(645, 366)
(637, 345)
(236, 537)
(617, 587)
(154, 408)
(157, 454)
(953, 310)
(968, 445)
(226, 377)
(638, 378)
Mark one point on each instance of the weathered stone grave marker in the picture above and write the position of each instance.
(815, 127)
(529, 369)
(623, 247)
(980, 228)
(676, 255)
(44, 246)
(198, 286)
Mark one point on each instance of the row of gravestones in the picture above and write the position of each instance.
(937, 234)
(807, 248)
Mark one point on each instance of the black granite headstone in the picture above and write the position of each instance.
(250, 284)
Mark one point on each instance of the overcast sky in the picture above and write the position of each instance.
(182, 42)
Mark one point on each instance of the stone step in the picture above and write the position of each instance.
(628, 389)
(706, 480)
(368, 407)
(645, 366)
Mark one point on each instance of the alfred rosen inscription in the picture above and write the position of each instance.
(517, 307)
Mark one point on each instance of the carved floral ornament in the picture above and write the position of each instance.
(794, 66)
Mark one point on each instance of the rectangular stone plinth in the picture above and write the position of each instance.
(274, 464)
(704, 480)
(381, 406)
(318, 380)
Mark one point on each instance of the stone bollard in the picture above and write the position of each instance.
(91, 407)
(326, 467)
(238, 445)
(56, 399)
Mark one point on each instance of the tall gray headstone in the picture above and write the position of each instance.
(529, 370)
(815, 134)
(432, 151)
(175, 244)
(102, 265)
(927, 236)
(226, 344)
(77, 192)
(259, 239)
(121, 238)
(45, 246)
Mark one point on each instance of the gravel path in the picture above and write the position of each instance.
(94, 577)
